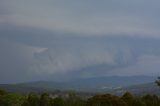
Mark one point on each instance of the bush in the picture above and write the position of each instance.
(105, 100)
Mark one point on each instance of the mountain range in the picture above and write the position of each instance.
(110, 84)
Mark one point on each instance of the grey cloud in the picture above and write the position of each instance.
(91, 17)
(3, 8)
(78, 57)
(15, 59)
(48, 39)
(65, 58)
(146, 65)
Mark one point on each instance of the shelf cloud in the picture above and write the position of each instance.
(57, 39)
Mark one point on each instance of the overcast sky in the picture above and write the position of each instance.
(68, 39)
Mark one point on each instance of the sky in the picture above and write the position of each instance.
(68, 39)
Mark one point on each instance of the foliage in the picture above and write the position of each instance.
(132, 101)
(74, 100)
(57, 102)
(105, 100)
(158, 81)
(32, 100)
(71, 99)
(151, 100)
(45, 100)
(10, 99)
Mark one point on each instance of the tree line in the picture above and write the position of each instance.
(11, 99)
(32, 99)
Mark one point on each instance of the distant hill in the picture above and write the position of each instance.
(113, 81)
(111, 84)
(20, 89)
(148, 88)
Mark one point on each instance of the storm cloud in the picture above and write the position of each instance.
(57, 39)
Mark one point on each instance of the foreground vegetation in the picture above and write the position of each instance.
(11, 99)
(71, 99)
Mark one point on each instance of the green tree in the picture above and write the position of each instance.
(10, 99)
(158, 81)
(132, 100)
(2, 92)
(57, 102)
(25, 103)
(151, 100)
(137, 102)
(3, 101)
(45, 100)
(128, 98)
(105, 100)
(74, 100)
(33, 100)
